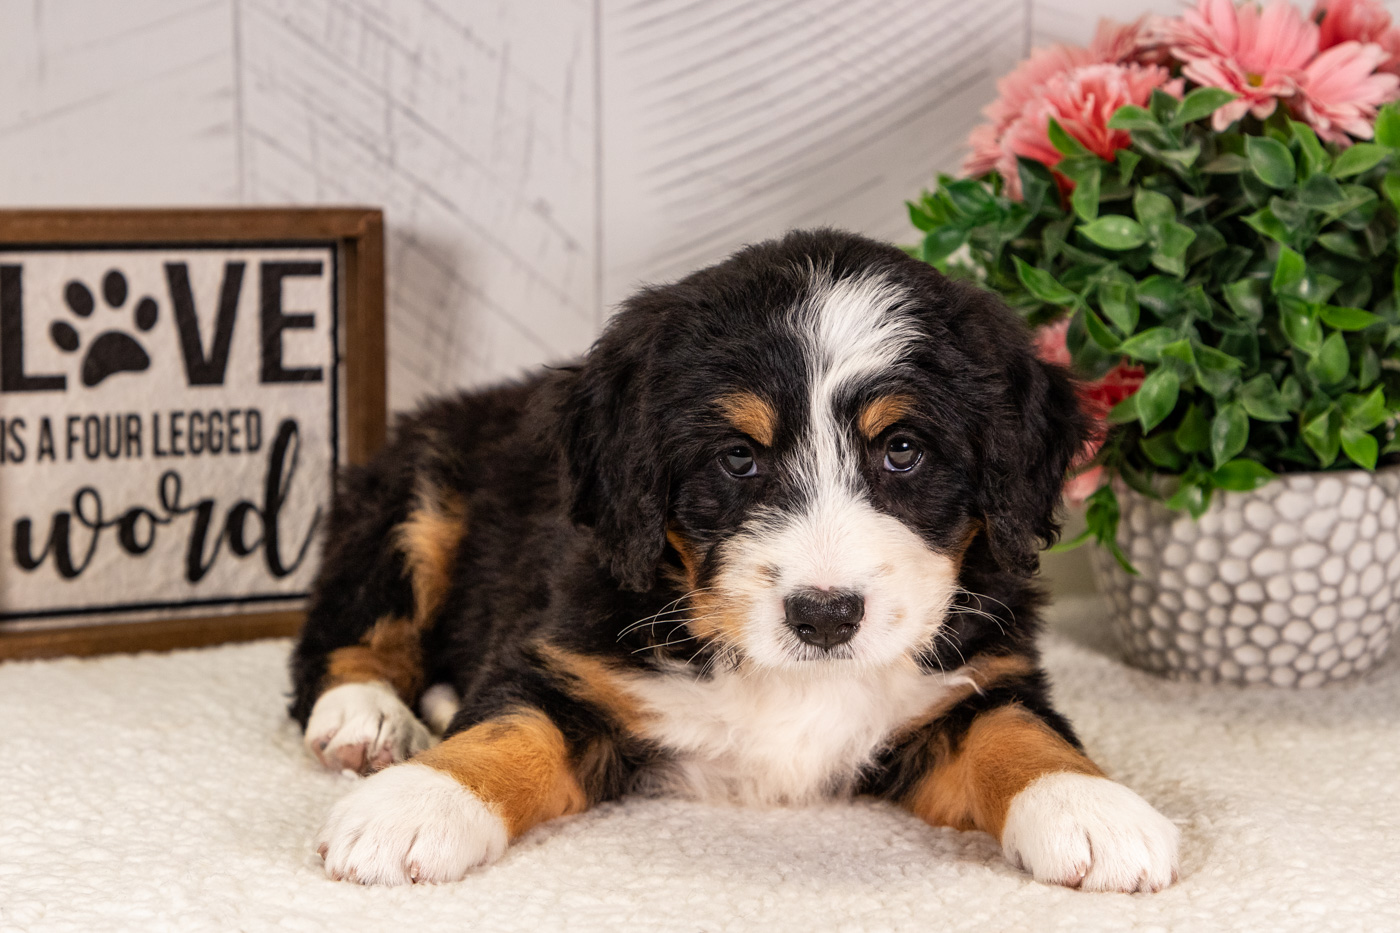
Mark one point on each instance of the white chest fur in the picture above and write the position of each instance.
(779, 737)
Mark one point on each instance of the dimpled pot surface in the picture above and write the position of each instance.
(1295, 584)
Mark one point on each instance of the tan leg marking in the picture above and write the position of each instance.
(879, 414)
(597, 683)
(1003, 752)
(517, 763)
(429, 539)
(391, 651)
(752, 415)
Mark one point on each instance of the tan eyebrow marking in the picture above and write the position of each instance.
(883, 412)
(755, 416)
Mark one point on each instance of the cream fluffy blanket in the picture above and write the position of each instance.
(170, 792)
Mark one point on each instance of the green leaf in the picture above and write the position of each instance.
(1216, 372)
(1355, 211)
(1270, 161)
(1193, 434)
(1291, 393)
(1289, 273)
(1162, 105)
(1171, 242)
(1361, 447)
(1086, 195)
(1315, 158)
(1388, 125)
(1127, 163)
(1200, 103)
(1124, 411)
(1323, 434)
(1193, 494)
(1153, 208)
(1118, 302)
(1036, 181)
(1229, 432)
(1370, 368)
(1390, 187)
(942, 243)
(1301, 324)
(1098, 330)
(1360, 157)
(1227, 163)
(1180, 351)
(1147, 346)
(920, 217)
(1321, 193)
(1043, 286)
(1364, 412)
(1156, 397)
(1342, 244)
(1131, 117)
(1161, 449)
(1113, 231)
(1246, 298)
(1242, 475)
(1063, 142)
(1332, 361)
(1262, 401)
(970, 197)
(1266, 224)
(1348, 318)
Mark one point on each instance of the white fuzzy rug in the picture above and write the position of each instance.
(169, 792)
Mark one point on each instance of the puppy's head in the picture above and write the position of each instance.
(807, 437)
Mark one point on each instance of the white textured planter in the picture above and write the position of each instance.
(1294, 584)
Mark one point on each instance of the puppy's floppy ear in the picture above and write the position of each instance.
(1028, 446)
(617, 483)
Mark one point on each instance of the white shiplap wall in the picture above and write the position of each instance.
(536, 158)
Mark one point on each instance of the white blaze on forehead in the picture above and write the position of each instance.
(854, 329)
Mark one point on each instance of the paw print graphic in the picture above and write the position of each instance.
(112, 351)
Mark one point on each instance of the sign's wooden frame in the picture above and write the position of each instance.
(359, 235)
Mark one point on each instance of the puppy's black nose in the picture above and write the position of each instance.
(825, 618)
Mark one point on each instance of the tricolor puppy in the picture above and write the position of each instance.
(771, 541)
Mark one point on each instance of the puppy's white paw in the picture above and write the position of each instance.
(363, 727)
(409, 823)
(1090, 833)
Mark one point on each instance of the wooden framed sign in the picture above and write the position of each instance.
(177, 390)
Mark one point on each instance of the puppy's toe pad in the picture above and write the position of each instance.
(1090, 833)
(406, 824)
(363, 727)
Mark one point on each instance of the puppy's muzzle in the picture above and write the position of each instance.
(824, 618)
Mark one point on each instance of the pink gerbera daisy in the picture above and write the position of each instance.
(1082, 102)
(1339, 91)
(1363, 21)
(1112, 43)
(1256, 55)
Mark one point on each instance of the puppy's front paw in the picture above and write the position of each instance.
(409, 823)
(1090, 833)
(363, 727)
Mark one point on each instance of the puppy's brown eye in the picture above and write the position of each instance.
(902, 454)
(738, 461)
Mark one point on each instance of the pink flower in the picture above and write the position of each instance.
(1081, 101)
(1364, 21)
(1258, 56)
(1124, 43)
(1049, 342)
(1340, 90)
(1112, 43)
